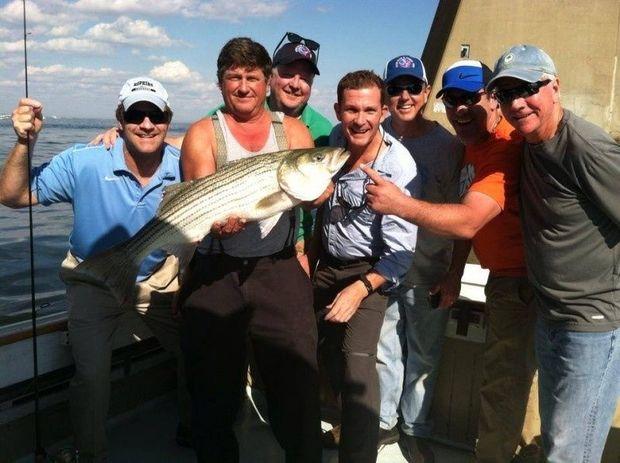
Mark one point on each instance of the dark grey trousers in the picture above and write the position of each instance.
(350, 351)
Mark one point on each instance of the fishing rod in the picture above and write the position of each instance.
(39, 452)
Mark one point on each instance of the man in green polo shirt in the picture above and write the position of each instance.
(294, 68)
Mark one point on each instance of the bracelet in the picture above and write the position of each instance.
(364, 279)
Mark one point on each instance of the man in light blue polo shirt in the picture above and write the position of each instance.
(113, 194)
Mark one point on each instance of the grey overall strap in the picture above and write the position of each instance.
(278, 130)
(221, 156)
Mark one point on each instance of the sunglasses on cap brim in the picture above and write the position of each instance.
(296, 38)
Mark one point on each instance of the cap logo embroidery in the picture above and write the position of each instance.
(303, 50)
(404, 62)
(509, 57)
(466, 76)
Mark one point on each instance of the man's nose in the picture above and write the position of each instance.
(243, 86)
(295, 81)
(146, 123)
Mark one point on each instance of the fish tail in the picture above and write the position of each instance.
(113, 270)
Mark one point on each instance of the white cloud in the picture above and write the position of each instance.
(174, 71)
(6, 33)
(124, 30)
(187, 88)
(59, 31)
(161, 59)
(13, 12)
(52, 13)
(225, 10)
(11, 47)
(235, 11)
(67, 71)
(71, 45)
(160, 7)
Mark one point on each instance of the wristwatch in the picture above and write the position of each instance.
(364, 279)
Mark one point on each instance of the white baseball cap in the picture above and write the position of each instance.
(143, 89)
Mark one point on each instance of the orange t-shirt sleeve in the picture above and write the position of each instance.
(497, 175)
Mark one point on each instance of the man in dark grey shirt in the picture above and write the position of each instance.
(571, 223)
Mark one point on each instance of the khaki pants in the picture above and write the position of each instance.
(94, 316)
(509, 366)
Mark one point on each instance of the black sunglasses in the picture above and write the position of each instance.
(462, 98)
(136, 116)
(344, 208)
(296, 38)
(524, 90)
(412, 89)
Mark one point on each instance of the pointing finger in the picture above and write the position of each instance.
(373, 174)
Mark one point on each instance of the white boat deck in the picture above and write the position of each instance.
(147, 435)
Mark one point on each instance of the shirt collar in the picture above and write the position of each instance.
(165, 171)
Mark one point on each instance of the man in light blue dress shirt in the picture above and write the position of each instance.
(362, 255)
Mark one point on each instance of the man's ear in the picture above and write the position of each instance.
(384, 112)
(337, 111)
(427, 92)
(494, 102)
(556, 89)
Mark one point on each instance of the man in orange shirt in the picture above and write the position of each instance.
(487, 218)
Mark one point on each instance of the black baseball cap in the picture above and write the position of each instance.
(291, 52)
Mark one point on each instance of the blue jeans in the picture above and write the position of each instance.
(579, 385)
(408, 357)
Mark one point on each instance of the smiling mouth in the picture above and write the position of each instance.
(519, 117)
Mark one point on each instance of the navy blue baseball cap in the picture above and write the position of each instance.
(291, 52)
(467, 75)
(404, 65)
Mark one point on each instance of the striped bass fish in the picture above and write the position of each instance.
(256, 188)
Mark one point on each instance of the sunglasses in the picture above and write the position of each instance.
(412, 89)
(462, 98)
(524, 90)
(344, 208)
(296, 38)
(136, 116)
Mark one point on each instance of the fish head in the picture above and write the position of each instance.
(305, 173)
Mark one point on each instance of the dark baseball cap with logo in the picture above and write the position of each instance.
(404, 65)
(291, 52)
(467, 75)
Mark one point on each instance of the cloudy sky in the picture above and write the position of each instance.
(80, 52)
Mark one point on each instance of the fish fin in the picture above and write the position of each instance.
(183, 251)
(272, 207)
(274, 203)
(110, 270)
(267, 225)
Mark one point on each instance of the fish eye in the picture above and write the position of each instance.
(319, 157)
